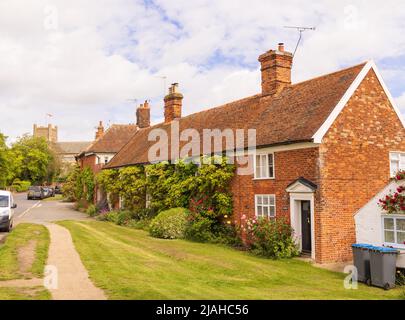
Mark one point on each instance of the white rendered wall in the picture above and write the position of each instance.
(369, 222)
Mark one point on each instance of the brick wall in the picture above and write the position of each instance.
(289, 165)
(90, 162)
(354, 166)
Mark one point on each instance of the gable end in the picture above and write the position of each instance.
(318, 136)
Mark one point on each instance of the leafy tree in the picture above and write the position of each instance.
(5, 173)
(33, 160)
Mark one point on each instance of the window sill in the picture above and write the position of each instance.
(264, 178)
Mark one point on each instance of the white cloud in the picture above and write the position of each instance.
(401, 102)
(83, 64)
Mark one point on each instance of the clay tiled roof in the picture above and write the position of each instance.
(74, 147)
(292, 116)
(113, 139)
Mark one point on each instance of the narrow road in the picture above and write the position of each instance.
(23, 205)
(73, 281)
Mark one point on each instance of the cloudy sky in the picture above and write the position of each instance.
(84, 60)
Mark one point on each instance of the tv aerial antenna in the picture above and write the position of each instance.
(300, 30)
(164, 80)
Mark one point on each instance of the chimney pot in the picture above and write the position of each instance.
(173, 103)
(276, 70)
(100, 130)
(143, 115)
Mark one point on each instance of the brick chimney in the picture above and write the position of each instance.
(100, 130)
(173, 103)
(143, 115)
(276, 70)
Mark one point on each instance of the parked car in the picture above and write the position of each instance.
(7, 207)
(51, 191)
(58, 190)
(47, 192)
(35, 192)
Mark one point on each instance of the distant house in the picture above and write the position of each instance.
(66, 150)
(69, 150)
(324, 148)
(106, 146)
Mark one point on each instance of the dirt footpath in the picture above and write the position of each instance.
(73, 281)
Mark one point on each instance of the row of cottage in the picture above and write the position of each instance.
(325, 151)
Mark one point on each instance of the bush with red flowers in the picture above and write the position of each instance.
(271, 238)
(395, 202)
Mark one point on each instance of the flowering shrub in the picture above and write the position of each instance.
(400, 175)
(395, 202)
(272, 238)
(169, 224)
(207, 223)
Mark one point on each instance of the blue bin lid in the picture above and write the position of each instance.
(384, 249)
(362, 245)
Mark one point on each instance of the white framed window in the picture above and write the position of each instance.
(106, 159)
(264, 166)
(397, 162)
(394, 231)
(265, 205)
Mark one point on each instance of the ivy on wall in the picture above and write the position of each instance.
(172, 185)
(80, 185)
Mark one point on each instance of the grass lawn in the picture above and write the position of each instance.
(20, 237)
(57, 197)
(129, 264)
(24, 294)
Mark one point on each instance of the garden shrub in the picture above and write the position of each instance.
(20, 186)
(227, 234)
(139, 224)
(111, 216)
(144, 214)
(272, 238)
(81, 205)
(91, 210)
(169, 224)
(199, 229)
(123, 217)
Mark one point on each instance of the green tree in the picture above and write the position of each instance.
(33, 160)
(5, 172)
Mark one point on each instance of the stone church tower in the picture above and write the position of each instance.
(50, 133)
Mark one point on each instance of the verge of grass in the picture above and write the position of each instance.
(129, 264)
(35, 293)
(58, 197)
(18, 238)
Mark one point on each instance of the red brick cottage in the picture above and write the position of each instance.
(106, 146)
(322, 149)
